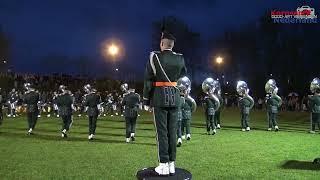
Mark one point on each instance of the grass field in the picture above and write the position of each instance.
(230, 154)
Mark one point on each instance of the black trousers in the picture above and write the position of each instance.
(315, 121)
(272, 117)
(66, 122)
(210, 122)
(130, 125)
(1, 115)
(166, 132)
(244, 120)
(217, 118)
(185, 126)
(179, 128)
(32, 119)
(93, 124)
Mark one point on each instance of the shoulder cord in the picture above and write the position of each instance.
(165, 74)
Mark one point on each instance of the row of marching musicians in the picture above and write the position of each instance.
(13, 102)
(131, 103)
(64, 101)
(213, 103)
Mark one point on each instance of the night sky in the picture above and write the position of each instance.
(71, 29)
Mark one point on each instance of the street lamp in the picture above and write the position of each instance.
(219, 60)
(113, 50)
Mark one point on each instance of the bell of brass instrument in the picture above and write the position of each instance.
(315, 85)
(272, 89)
(124, 87)
(87, 88)
(210, 87)
(184, 86)
(243, 91)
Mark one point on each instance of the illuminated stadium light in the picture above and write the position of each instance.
(219, 60)
(113, 50)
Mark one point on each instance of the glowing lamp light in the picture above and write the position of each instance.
(219, 60)
(113, 50)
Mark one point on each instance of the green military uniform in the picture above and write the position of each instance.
(31, 98)
(65, 102)
(186, 110)
(131, 102)
(179, 120)
(273, 105)
(314, 104)
(165, 98)
(14, 97)
(245, 103)
(1, 104)
(210, 106)
(92, 100)
(217, 113)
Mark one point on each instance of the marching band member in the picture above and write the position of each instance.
(130, 103)
(14, 97)
(31, 99)
(162, 71)
(273, 103)
(211, 103)
(188, 105)
(1, 104)
(314, 104)
(65, 102)
(92, 101)
(246, 103)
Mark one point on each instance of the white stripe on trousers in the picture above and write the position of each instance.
(155, 125)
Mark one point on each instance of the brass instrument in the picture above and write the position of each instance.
(184, 86)
(315, 85)
(210, 87)
(243, 91)
(272, 89)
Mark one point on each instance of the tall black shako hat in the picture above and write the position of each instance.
(167, 30)
(167, 35)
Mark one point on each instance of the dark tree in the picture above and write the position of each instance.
(4, 51)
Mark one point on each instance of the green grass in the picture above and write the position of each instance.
(230, 154)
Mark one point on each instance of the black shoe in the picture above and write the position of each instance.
(64, 135)
(29, 133)
(316, 161)
(214, 132)
(133, 138)
(179, 144)
(188, 138)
